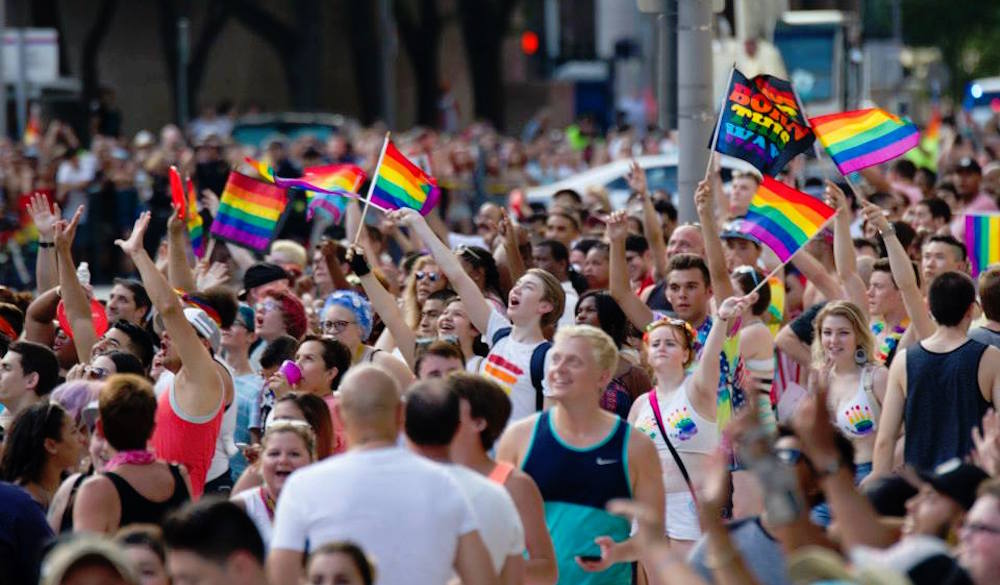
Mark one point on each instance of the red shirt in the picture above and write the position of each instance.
(179, 440)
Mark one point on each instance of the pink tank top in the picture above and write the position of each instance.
(189, 442)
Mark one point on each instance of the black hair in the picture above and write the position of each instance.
(432, 413)
(224, 301)
(865, 242)
(557, 249)
(634, 243)
(951, 241)
(572, 195)
(138, 292)
(481, 258)
(950, 296)
(14, 317)
(444, 295)
(749, 277)
(139, 338)
(904, 233)
(585, 244)
(38, 359)
(685, 261)
(904, 168)
(335, 355)
(947, 186)
(937, 208)
(147, 535)
(883, 199)
(883, 265)
(666, 207)
(24, 453)
(213, 529)
(126, 363)
(931, 175)
(278, 350)
(610, 316)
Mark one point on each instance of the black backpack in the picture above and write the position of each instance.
(537, 366)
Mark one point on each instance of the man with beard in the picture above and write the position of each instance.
(128, 301)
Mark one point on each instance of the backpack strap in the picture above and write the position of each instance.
(868, 382)
(500, 334)
(538, 372)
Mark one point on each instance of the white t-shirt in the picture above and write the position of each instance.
(569, 310)
(509, 364)
(405, 511)
(499, 523)
(83, 172)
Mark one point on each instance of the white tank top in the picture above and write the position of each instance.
(688, 431)
(253, 502)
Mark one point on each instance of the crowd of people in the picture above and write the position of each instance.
(496, 392)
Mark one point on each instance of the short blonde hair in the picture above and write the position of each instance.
(601, 345)
(863, 337)
(297, 427)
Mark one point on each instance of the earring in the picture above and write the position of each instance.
(861, 356)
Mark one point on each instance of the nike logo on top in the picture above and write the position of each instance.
(602, 461)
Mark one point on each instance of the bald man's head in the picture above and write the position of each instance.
(369, 404)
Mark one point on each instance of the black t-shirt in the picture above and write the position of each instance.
(802, 326)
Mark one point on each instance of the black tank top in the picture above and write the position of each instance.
(943, 403)
(657, 299)
(137, 509)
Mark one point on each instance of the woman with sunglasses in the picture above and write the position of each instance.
(287, 445)
(599, 309)
(425, 279)
(42, 443)
(348, 318)
(681, 409)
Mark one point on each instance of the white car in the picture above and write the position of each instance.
(982, 99)
(661, 174)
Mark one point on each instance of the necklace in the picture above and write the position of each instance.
(269, 502)
(137, 457)
(888, 344)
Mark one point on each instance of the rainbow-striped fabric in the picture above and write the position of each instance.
(864, 138)
(982, 241)
(399, 183)
(250, 212)
(784, 219)
(195, 226)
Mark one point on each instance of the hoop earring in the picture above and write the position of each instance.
(860, 356)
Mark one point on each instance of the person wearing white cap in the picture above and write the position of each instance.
(88, 560)
(189, 413)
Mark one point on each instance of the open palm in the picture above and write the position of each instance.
(133, 245)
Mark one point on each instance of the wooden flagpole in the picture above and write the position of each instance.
(371, 189)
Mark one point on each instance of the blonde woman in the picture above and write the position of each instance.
(287, 445)
(425, 279)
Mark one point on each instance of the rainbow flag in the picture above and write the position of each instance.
(399, 183)
(784, 219)
(195, 226)
(262, 169)
(330, 185)
(982, 241)
(864, 138)
(250, 212)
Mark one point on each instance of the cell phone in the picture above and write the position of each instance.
(590, 558)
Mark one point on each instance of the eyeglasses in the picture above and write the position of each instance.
(267, 306)
(788, 456)
(431, 276)
(335, 326)
(979, 527)
(96, 373)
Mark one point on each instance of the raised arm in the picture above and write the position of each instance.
(706, 374)
(651, 227)
(73, 294)
(902, 272)
(509, 254)
(844, 255)
(891, 420)
(178, 269)
(704, 201)
(198, 388)
(814, 272)
(329, 251)
(44, 218)
(38, 319)
(384, 304)
(475, 303)
(637, 312)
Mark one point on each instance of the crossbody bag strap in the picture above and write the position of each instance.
(655, 404)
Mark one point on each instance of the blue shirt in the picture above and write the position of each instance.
(23, 533)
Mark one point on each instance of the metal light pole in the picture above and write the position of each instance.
(694, 99)
(183, 58)
(387, 33)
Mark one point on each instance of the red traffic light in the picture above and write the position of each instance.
(529, 42)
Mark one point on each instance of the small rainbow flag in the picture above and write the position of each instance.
(262, 169)
(250, 212)
(399, 183)
(784, 219)
(864, 138)
(982, 241)
(330, 184)
(195, 226)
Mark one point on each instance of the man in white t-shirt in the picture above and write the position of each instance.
(408, 513)
(534, 304)
(73, 177)
(432, 418)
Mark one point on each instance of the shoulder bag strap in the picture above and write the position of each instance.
(655, 404)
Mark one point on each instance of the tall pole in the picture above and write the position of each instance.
(22, 83)
(387, 33)
(183, 58)
(694, 99)
(3, 80)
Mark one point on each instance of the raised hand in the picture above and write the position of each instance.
(835, 197)
(133, 245)
(616, 226)
(875, 215)
(43, 216)
(175, 224)
(636, 178)
(704, 202)
(64, 232)
(986, 453)
(209, 275)
(733, 307)
(406, 217)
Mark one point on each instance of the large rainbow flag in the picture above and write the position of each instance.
(250, 212)
(784, 219)
(399, 183)
(982, 241)
(864, 138)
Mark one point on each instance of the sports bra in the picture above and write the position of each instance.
(688, 431)
(858, 417)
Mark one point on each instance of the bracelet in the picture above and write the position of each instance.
(889, 231)
(42, 244)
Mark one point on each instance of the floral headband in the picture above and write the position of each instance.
(689, 331)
